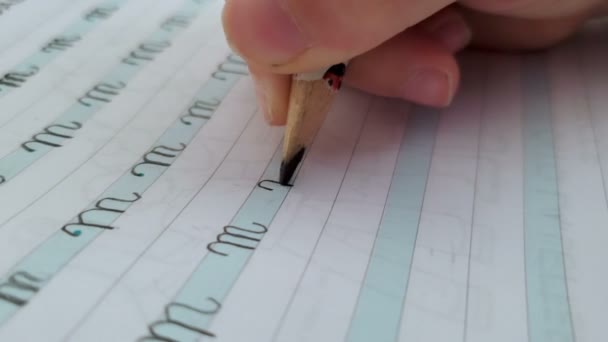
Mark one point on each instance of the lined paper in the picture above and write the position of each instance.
(139, 199)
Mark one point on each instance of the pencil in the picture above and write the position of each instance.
(310, 99)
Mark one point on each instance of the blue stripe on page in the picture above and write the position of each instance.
(378, 313)
(38, 60)
(548, 307)
(70, 121)
(216, 274)
(33, 272)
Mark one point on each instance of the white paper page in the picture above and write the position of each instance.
(22, 18)
(138, 194)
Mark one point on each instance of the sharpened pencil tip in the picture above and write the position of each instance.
(289, 167)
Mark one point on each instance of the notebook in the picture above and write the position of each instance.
(139, 202)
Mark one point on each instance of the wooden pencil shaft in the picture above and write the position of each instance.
(310, 98)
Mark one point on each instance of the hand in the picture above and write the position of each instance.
(396, 48)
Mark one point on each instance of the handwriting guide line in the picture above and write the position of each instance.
(234, 245)
(69, 122)
(114, 33)
(578, 126)
(440, 261)
(479, 66)
(230, 252)
(324, 297)
(221, 180)
(354, 151)
(120, 277)
(495, 275)
(379, 306)
(586, 62)
(549, 316)
(139, 112)
(53, 254)
(65, 40)
(84, 176)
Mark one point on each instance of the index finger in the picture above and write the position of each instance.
(291, 36)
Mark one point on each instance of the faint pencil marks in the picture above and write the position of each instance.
(176, 22)
(60, 43)
(52, 135)
(202, 109)
(177, 322)
(102, 92)
(100, 13)
(8, 4)
(16, 79)
(20, 287)
(159, 156)
(101, 217)
(237, 237)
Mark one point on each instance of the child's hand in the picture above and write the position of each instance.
(397, 48)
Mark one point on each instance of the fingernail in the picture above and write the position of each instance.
(260, 93)
(289, 40)
(264, 31)
(451, 30)
(429, 86)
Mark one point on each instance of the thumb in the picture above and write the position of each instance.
(291, 36)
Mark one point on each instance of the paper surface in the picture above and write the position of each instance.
(138, 198)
